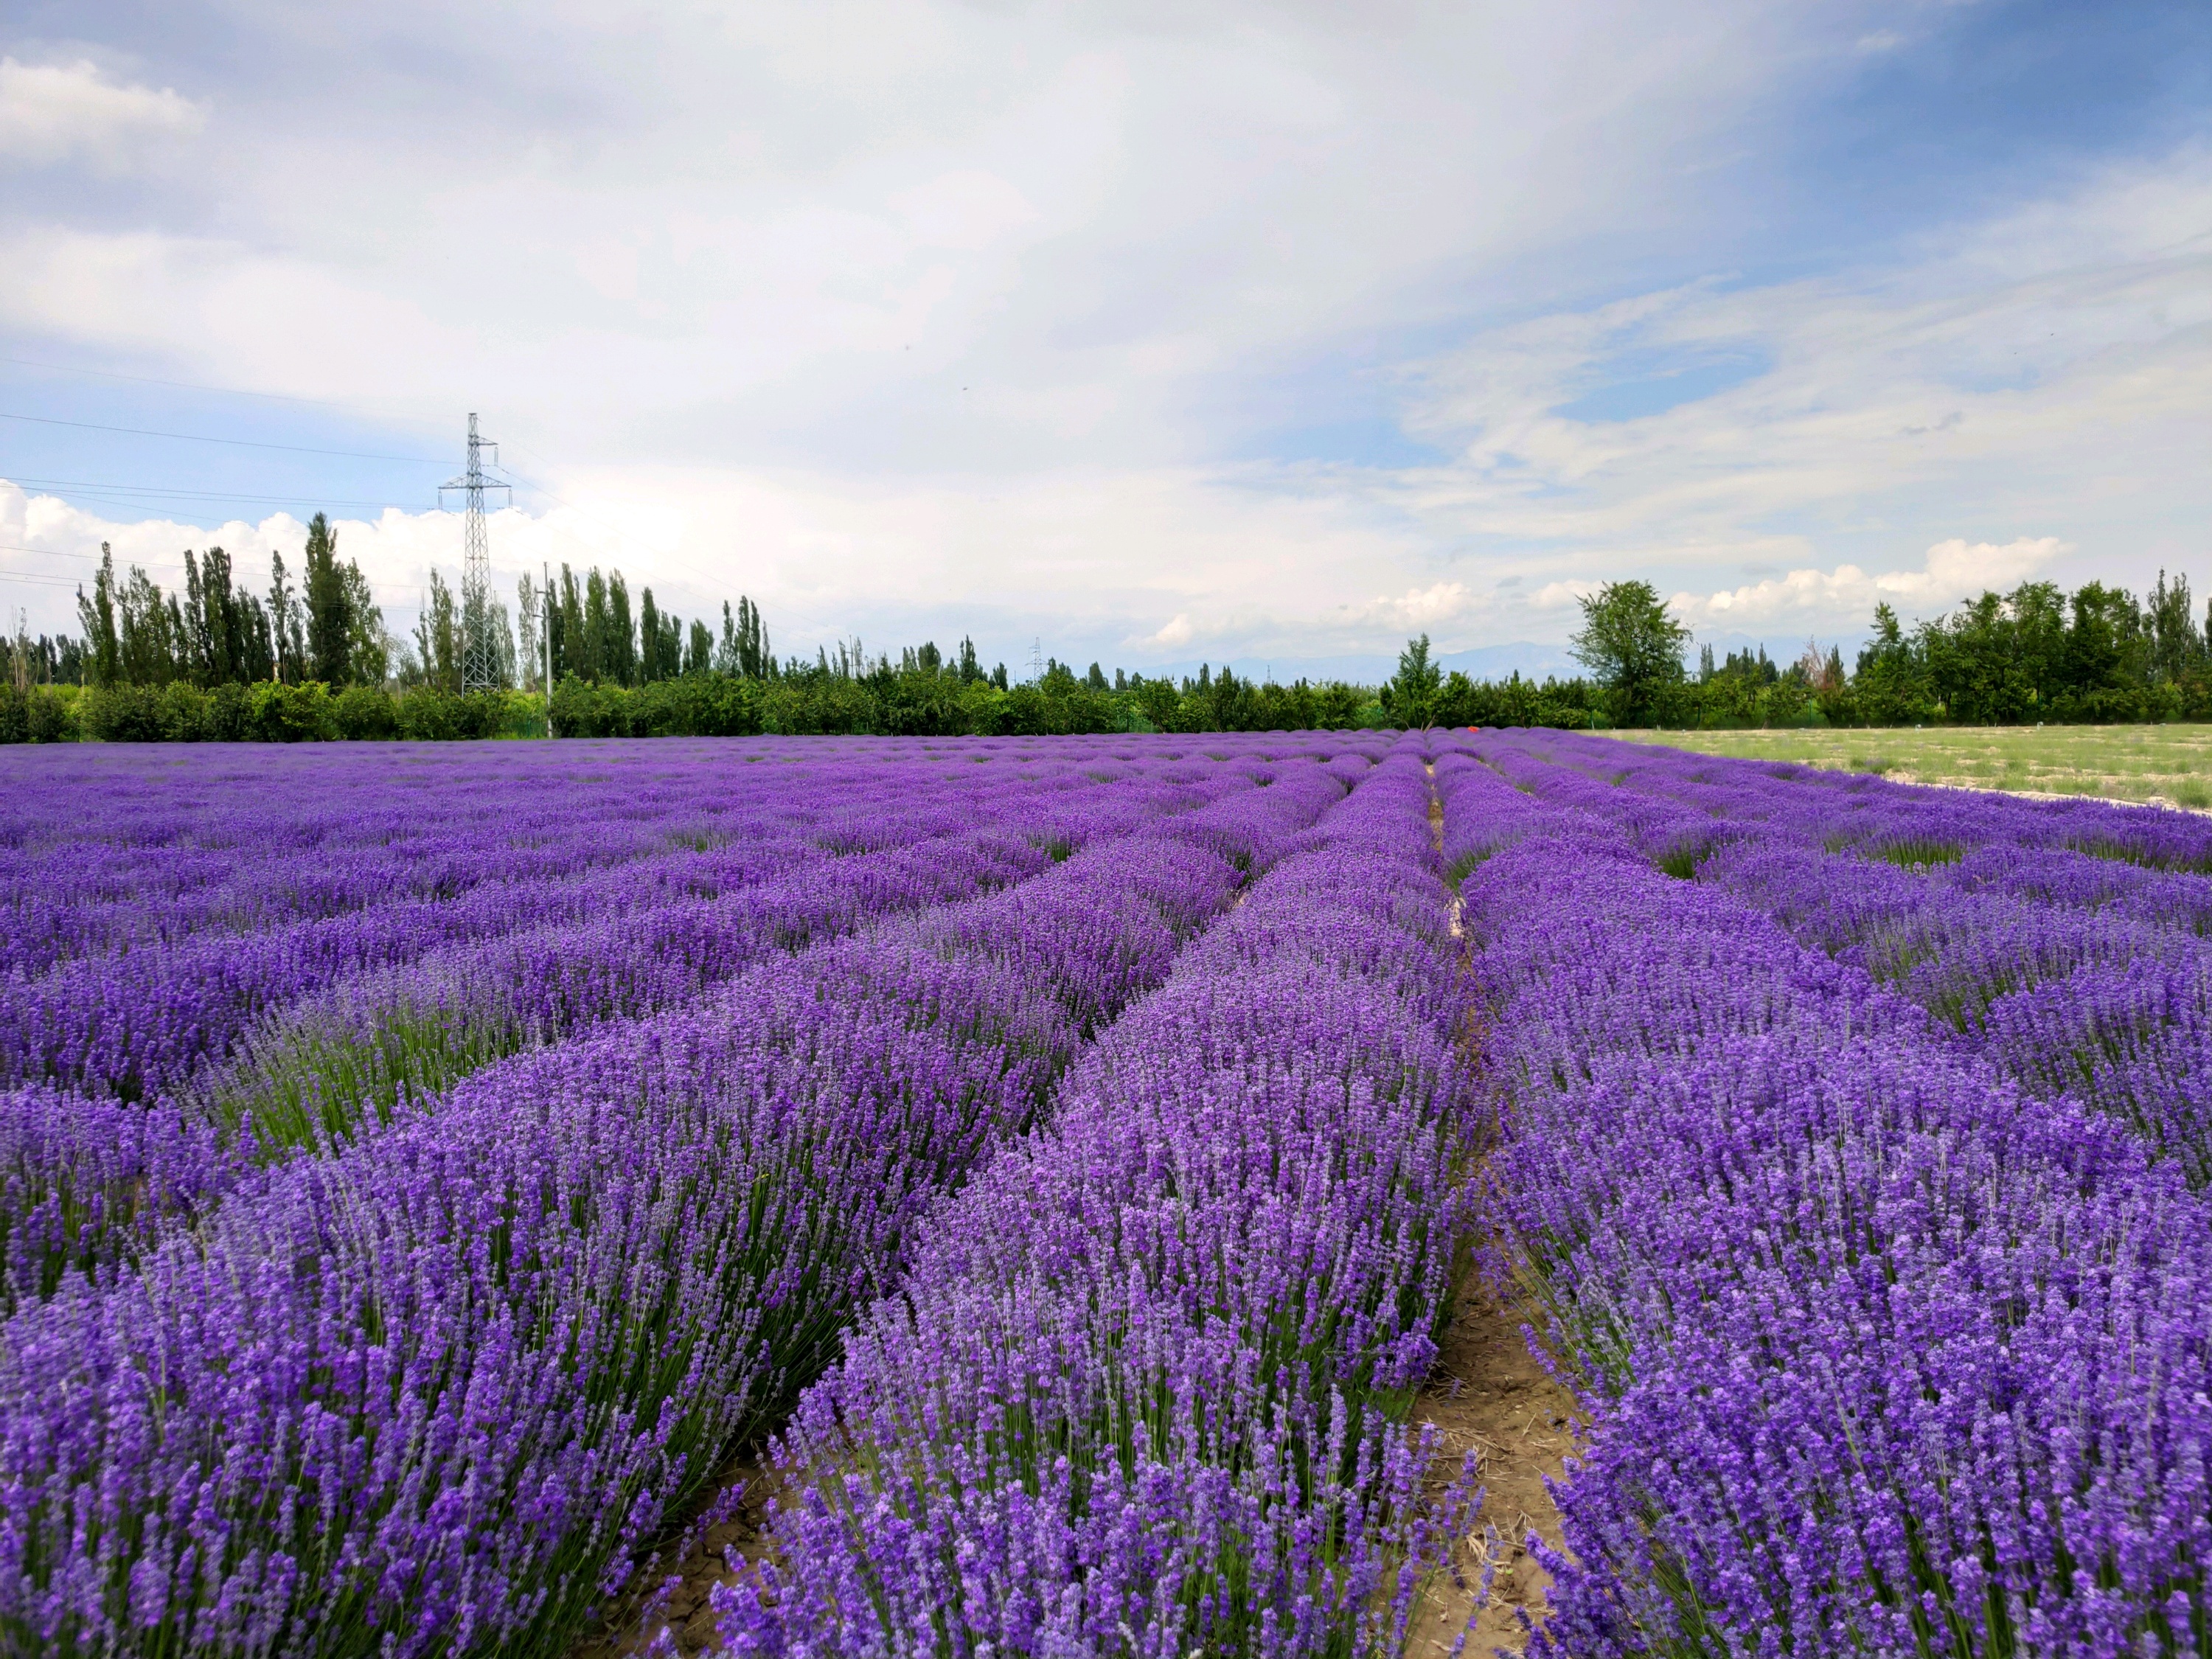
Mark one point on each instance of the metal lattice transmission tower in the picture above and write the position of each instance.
(481, 668)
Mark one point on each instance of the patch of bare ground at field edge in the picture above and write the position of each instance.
(628, 1625)
(1489, 1395)
(2165, 803)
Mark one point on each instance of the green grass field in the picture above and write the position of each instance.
(2171, 765)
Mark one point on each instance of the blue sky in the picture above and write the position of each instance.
(1268, 337)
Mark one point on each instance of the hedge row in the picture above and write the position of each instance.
(264, 712)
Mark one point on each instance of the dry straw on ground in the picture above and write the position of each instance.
(2162, 765)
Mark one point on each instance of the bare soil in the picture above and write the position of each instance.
(696, 1563)
(1489, 1395)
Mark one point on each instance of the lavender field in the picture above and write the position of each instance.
(423, 1170)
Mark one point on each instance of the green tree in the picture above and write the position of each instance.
(103, 663)
(2105, 648)
(1410, 697)
(598, 630)
(329, 606)
(437, 637)
(151, 628)
(2176, 645)
(744, 650)
(219, 623)
(756, 656)
(660, 642)
(287, 631)
(620, 664)
(565, 627)
(527, 623)
(1633, 644)
(648, 639)
(369, 646)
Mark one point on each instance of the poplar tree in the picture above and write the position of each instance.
(103, 663)
(329, 607)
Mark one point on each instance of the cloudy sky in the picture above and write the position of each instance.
(1269, 337)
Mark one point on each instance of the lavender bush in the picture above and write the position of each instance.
(437, 1385)
(1886, 1356)
(1140, 1390)
(410, 1195)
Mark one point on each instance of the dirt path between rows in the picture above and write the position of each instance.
(698, 1562)
(1488, 1395)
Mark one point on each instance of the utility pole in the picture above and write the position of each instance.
(479, 657)
(546, 633)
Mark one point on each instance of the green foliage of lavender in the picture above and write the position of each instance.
(437, 1377)
(1861, 1192)
(1143, 1387)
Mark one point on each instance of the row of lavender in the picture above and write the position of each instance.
(256, 1075)
(1142, 1389)
(800, 849)
(2074, 972)
(1886, 1355)
(434, 1386)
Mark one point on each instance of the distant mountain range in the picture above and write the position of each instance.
(1483, 662)
(1497, 662)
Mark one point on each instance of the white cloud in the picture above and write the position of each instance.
(2026, 372)
(1557, 596)
(933, 317)
(52, 112)
(1416, 609)
(1843, 598)
(933, 236)
(56, 545)
(1237, 573)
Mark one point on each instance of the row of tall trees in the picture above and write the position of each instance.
(2034, 653)
(326, 627)
(584, 627)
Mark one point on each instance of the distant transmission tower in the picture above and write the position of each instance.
(1036, 657)
(480, 663)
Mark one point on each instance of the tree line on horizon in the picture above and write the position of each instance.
(2034, 654)
(313, 659)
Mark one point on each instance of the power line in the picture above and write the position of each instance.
(196, 438)
(59, 553)
(123, 490)
(153, 495)
(181, 386)
(716, 583)
(154, 563)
